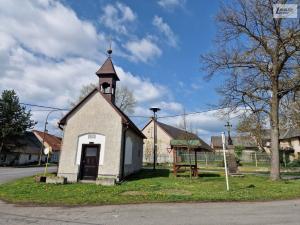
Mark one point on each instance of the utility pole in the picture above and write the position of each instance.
(154, 118)
(228, 126)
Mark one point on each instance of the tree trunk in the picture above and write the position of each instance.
(274, 120)
(1, 146)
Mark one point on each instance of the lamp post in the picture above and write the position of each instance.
(154, 110)
(43, 140)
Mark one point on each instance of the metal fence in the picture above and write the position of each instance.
(216, 159)
(213, 158)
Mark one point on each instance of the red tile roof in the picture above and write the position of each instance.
(53, 141)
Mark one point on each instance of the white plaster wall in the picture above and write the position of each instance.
(296, 146)
(137, 153)
(164, 155)
(86, 139)
(97, 116)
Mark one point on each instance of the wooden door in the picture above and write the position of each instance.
(89, 162)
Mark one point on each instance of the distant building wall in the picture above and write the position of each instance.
(164, 155)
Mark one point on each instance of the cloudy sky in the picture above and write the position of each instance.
(49, 49)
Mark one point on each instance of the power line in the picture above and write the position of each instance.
(131, 116)
(42, 106)
(191, 113)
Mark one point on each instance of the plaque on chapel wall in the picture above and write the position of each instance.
(91, 136)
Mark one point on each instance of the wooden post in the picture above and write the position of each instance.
(174, 162)
(196, 166)
(205, 159)
(255, 159)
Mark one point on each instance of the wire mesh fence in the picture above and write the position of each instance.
(216, 158)
(213, 159)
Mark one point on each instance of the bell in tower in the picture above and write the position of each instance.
(108, 78)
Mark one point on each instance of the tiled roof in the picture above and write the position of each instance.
(26, 143)
(107, 69)
(246, 141)
(179, 134)
(53, 141)
(284, 133)
(290, 133)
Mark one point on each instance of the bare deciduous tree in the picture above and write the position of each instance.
(254, 124)
(290, 111)
(260, 55)
(124, 97)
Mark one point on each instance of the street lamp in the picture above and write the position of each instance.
(154, 110)
(43, 140)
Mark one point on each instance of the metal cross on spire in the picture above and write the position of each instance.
(229, 126)
(109, 51)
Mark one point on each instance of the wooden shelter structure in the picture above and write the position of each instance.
(181, 148)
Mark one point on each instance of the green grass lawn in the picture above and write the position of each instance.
(147, 186)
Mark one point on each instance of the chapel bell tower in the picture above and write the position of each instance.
(108, 78)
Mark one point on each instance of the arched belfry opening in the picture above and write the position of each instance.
(105, 88)
(108, 78)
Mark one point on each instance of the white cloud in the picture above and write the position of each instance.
(48, 28)
(47, 53)
(117, 17)
(143, 50)
(204, 124)
(144, 90)
(170, 106)
(171, 4)
(166, 30)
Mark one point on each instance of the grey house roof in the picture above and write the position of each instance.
(176, 133)
(27, 143)
(179, 134)
(283, 133)
(290, 133)
(249, 142)
(246, 141)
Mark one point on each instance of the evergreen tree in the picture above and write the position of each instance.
(14, 119)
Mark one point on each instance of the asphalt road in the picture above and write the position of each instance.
(11, 173)
(263, 213)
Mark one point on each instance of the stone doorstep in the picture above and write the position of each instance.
(87, 181)
(56, 180)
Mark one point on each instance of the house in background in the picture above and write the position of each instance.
(99, 140)
(20, 150)
(165, 133)
(52, 142)
(249, 143)
(289, 141)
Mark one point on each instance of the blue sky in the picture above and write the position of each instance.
(49, 49)
(178, 68)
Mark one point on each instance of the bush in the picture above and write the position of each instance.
(295, 163)
(238, 150)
